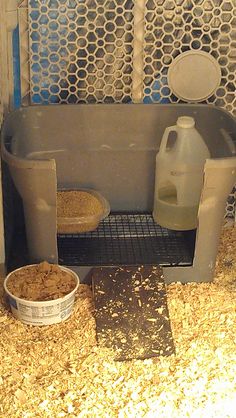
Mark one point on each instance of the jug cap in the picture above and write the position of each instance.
(185, 122)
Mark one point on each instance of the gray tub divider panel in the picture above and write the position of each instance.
(112, 148)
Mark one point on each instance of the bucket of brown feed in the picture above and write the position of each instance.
(41, 294)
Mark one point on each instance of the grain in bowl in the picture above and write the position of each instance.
(80, 211)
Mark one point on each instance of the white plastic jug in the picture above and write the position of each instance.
(179, 176)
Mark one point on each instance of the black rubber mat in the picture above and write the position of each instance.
(131, 312)
(127, 239)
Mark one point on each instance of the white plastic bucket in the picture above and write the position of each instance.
(42, 312)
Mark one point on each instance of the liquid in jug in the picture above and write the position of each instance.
(179, 176)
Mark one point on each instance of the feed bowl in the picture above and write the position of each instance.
(80, 210)
(41, 312)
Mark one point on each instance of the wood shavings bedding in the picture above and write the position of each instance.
(59, 371)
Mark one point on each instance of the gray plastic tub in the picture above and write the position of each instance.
(112, 148)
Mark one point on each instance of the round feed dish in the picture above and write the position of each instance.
(83, 222)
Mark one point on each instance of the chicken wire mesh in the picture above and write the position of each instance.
(175, 27)
(96, 51)
(79, 51)
(230, 211)
(86, 50)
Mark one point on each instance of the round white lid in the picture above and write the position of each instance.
(194, 76)
(185, 122)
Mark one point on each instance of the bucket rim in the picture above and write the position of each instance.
(41, 302)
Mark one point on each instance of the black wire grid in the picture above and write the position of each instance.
(126, 239)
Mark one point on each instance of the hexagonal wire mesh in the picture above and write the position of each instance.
(175, 27)
(230, 211)
(81, 51)
(75, 51)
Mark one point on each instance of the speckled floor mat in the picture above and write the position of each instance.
(131, 312)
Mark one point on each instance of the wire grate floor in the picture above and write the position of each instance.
(127, 239)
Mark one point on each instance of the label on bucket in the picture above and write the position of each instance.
(42, 315)
(39, 312)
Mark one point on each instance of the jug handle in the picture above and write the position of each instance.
(165, 137)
